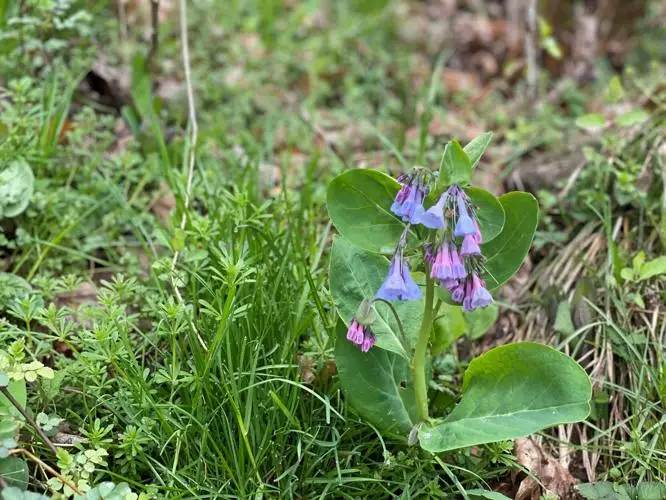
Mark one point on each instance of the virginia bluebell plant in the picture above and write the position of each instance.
(444, 237)
(452, 255)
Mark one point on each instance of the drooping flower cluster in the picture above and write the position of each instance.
(453, 253)
(361, 336)
(457, 261)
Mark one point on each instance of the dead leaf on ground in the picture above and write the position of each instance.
(123, 136)
(170, 89)
(252, 45)
(138, 12)
(108, 84)
(305, 369)
(164, 204)
(555, 478)
(87, 292)
(460, 81)
(67, 439)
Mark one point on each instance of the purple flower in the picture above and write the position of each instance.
(465, 224)
(355, 332)
(467, 301)
(477, 234)
(450, 284)
(433, 218)
(457, 266)
(427, 253)
(458, 293)
(408, 202)
(361, 336)
(480, 295)
(470, 246)
(441, 268)
(368, 341)
(399, 284)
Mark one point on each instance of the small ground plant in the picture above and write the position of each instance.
(465, 244)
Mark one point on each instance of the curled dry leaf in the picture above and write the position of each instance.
(108, 84)
(555, 478)
(305, 369)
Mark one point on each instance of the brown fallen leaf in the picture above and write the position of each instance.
(138, 12)
(305, 369)
(460, 81)
(555, 478)
(109, 85)
(87, 292)
(164, 204)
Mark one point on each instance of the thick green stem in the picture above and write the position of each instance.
(418, 363)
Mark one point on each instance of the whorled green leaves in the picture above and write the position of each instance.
(359, 204)
(510, 392)
(356, 275)
(506, 253)
(378, 384)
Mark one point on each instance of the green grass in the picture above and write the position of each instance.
(227, 389)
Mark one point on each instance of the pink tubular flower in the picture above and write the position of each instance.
(477, 234)
(361, 336)
(441, 268)
(470, 246)
(458, 268)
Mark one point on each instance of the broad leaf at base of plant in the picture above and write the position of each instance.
(14, 471)
(378, 384)
(509, 392)
(14, 493)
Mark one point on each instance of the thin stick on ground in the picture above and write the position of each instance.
(191, 152)
(531, 51)
(32, 423)
(155, 32)
(47, 467)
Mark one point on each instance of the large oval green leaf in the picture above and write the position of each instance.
(510, 392)
(489, 211)
(14, 471)
(378, 384)
(16, 188)
(506, 253)
(359, 204)
(356, 275)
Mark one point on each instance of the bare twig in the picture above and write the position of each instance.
(191, 152)
(25, 414)
(122, 20)
(155, 33)
(46, 466)
(531, 51)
